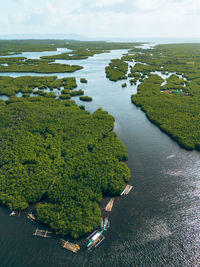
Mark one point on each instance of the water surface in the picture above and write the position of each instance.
(156, 225)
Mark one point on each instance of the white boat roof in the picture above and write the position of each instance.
(96, 236)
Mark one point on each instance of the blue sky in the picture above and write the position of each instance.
(102, 18)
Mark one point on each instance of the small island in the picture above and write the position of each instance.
(63, 158)
(85, 98)
(83, 80)
(35, 65)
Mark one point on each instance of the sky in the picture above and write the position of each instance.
(102, 18)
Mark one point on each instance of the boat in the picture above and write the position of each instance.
(97, 236)
(127, 189)
(31, 217)
(95, 239)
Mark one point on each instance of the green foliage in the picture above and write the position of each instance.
(22, 64)
(54, 152)
(65, 56)
(26, 84)
(75, 55)
(124, 85)
(85, 98)
(83, 80)
(174, 82)
(174, 106)
(70, 83)
(57, 151)
(7, 46)
(80, 50)
(77, 92)
(65, 96)
(82, 107)
(133, 81)
(116, 70)
(37, 66)
(99, 45)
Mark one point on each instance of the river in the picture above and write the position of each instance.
(156, 225)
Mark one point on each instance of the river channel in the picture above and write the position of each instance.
(156, 225)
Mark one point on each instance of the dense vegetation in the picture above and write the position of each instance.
(174, 104)
(83, 80)
(77, 92)
(54, 151)
(80, 48)
(75, 54)
(85, 98)
(22, 64)
(7, 46)
(124, 84)
(26, 84)
(83, 50)
(116, 70)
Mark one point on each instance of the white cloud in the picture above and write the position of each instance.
(102, 18)
(106, 3)
(149, 5)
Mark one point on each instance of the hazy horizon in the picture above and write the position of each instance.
(71, 36)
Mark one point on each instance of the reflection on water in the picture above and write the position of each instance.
(156, 225)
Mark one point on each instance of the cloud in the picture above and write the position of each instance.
(106, 3)
(149, 5)
(102, 18)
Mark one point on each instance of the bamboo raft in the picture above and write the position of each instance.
(42, 233)
(70, 246)
(127, 189)
(109, 205)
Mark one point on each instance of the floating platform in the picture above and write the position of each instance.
(127, 189)
(109, 205)
(70, 246)
(42, 233)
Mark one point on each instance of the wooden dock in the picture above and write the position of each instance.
(70, 246)
(127, 189)
(42, 233)
(109, 205)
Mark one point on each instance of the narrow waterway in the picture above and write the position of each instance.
(156, 225)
